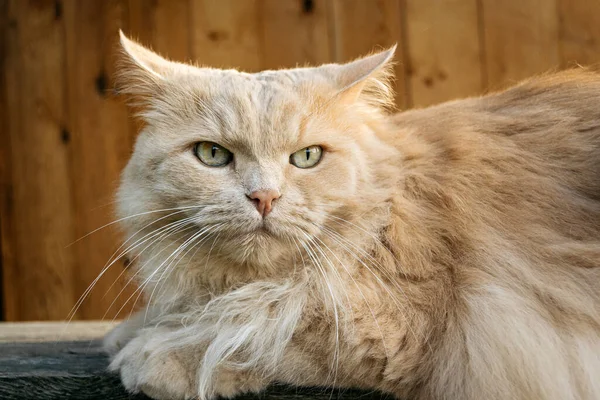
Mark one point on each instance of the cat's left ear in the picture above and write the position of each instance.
(367, 79)
(141, 72)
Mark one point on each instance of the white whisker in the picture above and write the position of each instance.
(129, 217)
(397, 302)
(174, 255)
(362, 295)
(173, 230)
(317, 264)
(107, 267)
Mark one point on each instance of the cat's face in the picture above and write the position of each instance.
(257, 164)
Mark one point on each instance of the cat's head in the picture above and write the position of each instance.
(254, 165)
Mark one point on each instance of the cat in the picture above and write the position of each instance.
(287, 226)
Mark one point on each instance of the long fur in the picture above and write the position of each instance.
(451, 252)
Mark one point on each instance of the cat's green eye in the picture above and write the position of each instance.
(212, 154)
(307, 157)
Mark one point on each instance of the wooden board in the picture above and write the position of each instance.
(57, 371)
(521, 39)
(44, 331)
(295, 33)
(226, 33)
(5, 157)
(64, 138)
(579, 32)
(360, 27)
(37, 202)
(444, 52)
(98, 134)
(162, 25)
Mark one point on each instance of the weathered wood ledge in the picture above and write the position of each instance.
(50, 361)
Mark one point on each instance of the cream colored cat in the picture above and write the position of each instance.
(285, 228)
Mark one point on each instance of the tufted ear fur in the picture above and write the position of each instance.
(141, 72)
(367, 79)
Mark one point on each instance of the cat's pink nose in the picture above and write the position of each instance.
(263, 200)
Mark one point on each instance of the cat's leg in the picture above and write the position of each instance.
(228, 347)
(231, 382)
(123, 333)
(147, 365)
(157, 364)
(165, 363)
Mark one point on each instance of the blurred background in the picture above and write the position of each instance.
(64, 137)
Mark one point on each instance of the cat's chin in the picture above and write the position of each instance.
(259, 244)
(267, 228)
(263, 236)
(259, 248)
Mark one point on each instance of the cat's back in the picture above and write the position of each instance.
(510, 182)
(507, 188)
(523, 163)
(542, 133)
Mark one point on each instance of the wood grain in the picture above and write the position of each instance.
(226, 33)
(521, 39)
(58, 371)
(295, 33)
(443, 50)
(38, 273)
(6, 242)
(579, 32)
(64, 137)
(162, 25)
(98, 134)
(47, 331)
(359, 27)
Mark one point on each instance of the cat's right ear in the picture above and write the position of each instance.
(140, 72)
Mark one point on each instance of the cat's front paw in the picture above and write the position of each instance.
(123, 333)
(230, 383)
(146, 367)
(146, 364)
(118, 337)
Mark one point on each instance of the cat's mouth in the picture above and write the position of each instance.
(258, 228)
(265, 229)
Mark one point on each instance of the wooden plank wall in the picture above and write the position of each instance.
(65, 137)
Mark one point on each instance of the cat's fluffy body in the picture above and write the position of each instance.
(445, 253)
